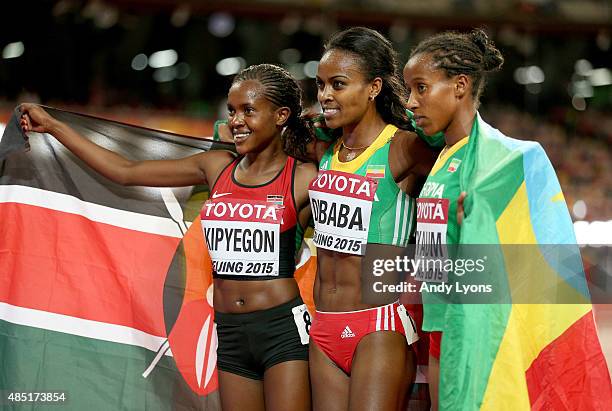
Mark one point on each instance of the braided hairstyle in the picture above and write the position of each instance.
(282, 90)
(378, 59)
(472, 54)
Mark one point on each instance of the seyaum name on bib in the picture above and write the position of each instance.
(432, 224)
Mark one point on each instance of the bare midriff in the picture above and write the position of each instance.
(239, 296)
(338, 285)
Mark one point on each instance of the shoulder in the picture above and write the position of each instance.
(213, 162)
(217, 157)
(305, 170)
(403, 137)
(408, 153)
(408, 141)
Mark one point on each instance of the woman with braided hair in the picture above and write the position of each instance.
(252, 222)
(445, 77)
(361, 356)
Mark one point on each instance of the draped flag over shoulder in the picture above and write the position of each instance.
(520, 356)
(104, 290)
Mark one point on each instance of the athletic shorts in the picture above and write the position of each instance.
(250, 343)
(337, 334)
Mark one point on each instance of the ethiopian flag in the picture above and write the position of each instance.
(511, 356)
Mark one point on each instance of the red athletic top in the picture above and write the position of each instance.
(279, 190)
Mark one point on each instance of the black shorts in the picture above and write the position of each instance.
(250, 343)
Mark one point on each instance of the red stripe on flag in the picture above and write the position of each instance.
(64, 263)
(571, 373)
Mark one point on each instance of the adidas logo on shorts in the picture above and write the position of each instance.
(347, 333)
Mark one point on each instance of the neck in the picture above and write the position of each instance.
(262, 161)
(460, 127)
(364, 132)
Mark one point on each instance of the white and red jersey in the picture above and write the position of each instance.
(251, 231)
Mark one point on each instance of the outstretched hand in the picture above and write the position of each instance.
(34, 118)
(460, 208)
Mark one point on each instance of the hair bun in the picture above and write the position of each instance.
(480, 38)
(492, 59)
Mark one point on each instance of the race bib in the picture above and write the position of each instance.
(431, 253)
(302, 319)
(243, 236)
(408, 323)
(341, 206)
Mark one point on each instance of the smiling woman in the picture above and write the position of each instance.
(361, 355)
(253, 222)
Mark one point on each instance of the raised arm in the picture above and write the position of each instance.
(196, 169)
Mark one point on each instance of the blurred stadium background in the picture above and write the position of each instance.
(167, 64)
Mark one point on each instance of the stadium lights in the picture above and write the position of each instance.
(140, 62)
(310, 68)
(529, 75)
(289, 56)
(163, 58)
(297, 71)
(183, 70)
(582, 88)
(600, 77)
(593, 232)
(13, 50)
(230, 66)
(221, 24)
(582, 67)
(584, 79)
(164, 74)
(579, 209)
(579, 103)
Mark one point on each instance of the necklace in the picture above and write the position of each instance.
(351, 154)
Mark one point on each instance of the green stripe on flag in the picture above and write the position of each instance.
(490, 170)
(94, 374)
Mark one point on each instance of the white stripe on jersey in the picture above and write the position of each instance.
(386, 307)
(378, 315)
(402, 240)
(398, 207)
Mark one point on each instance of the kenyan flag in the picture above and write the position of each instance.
(104, 290)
